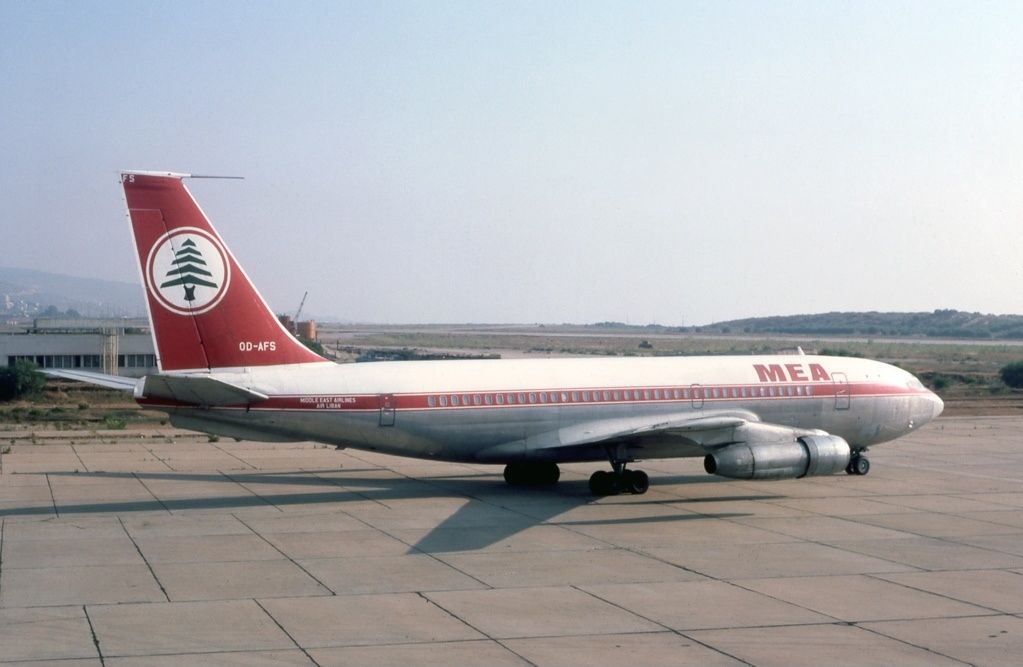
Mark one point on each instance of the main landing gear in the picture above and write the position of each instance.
(619, 480)
(532, 474)
(858, 464)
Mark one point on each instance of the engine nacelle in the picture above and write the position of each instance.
(808, 456)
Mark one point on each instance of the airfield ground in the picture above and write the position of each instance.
(150, 546)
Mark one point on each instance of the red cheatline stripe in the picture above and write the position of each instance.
(630, 395)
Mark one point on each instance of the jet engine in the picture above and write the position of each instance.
(806, 456)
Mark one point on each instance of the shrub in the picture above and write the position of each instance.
(1012, 374)
(114, 423)
(20, 380)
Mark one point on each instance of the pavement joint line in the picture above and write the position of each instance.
(145, 560)
(286, 633)
(455, 616)
(95, 638)
(993, 610)
(289, 558)
(909, 643)
(239, 459)
(250, 491)
(52, 498)
(74, 448)
(338, 483)
(150, 491)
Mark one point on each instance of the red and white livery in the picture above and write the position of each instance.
(228, 367)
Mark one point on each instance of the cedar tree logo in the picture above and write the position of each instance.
(187, 271)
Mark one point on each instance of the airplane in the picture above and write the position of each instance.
(227, 366)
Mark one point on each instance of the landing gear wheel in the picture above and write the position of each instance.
(637, 482)
(532, 474)
(608, 483)
(858, 465)
(602, 483)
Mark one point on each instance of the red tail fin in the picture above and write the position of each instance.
(204, 310)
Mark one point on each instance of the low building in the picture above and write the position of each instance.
(113, 346)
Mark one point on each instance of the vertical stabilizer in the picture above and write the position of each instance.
(204, 311)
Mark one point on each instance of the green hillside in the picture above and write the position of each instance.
(937, 324)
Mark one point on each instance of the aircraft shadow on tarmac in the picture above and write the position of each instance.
(494, 511)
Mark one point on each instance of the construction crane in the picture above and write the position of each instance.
(301, 303)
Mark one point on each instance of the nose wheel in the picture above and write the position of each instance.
(858, 465)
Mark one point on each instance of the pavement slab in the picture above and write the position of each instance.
(816, 645)
(983, 640)
(512, 612)
(216, 580)
(856, 598)
(185, 627)
(388, 574)
(53, 633)
(691, 605)
(93, 584)
(997, 590)
(399, 618)
(651, 649)
(440, 654)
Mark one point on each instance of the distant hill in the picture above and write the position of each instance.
(25, 293)
(937, 324)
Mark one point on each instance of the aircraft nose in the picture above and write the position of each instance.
(937, 405)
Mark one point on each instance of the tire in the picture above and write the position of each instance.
(602, 483)
(862, 465)
(637, 482)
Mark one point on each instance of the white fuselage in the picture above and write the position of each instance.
(501, 411)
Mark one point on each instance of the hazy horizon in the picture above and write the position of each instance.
(661, 162)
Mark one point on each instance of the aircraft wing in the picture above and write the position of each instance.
(681, 434)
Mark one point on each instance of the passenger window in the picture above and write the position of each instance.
(443, 401)
(564, 397)
(454, 399)
(431, 401)
(476, 399)
(522, 399)
(532, 398)
(499, 398)
(607, 396)
(809, 391)
(487, 399)
(586, 396)
(543, 396)
(616, 395)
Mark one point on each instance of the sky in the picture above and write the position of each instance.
(676, 163)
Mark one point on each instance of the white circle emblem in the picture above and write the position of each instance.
(187, 271)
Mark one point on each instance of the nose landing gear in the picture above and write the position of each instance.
(858, 464)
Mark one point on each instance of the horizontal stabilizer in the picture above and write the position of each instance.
(204, 391)
(101, 379)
